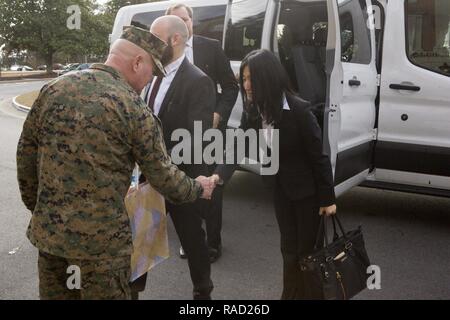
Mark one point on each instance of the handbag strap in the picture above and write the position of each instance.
(335, 234)
(319, 233)
(336, 219)
(322, 234)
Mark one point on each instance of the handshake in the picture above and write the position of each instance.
(209, 185)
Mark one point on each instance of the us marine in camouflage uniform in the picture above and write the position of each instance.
(75, 159)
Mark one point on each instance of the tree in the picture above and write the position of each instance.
(42, 26)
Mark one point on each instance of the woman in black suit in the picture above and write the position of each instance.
(304, 187)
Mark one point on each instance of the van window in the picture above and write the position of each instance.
(356, 46)
(302, 39)
(145, 19)
(428, 34)
(244, 30)
(208, 20)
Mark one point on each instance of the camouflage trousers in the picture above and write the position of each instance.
(99, 279)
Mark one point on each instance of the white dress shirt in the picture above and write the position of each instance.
(171, 71)
(189, 51)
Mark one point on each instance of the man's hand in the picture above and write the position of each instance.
(208, 187)
(216, 121)
(217, 180)
(328, 211)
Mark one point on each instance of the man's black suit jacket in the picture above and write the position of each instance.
(210, 58)
(191, 97)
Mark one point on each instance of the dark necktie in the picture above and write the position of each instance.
(156, 86)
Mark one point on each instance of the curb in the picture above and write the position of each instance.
(19, 106)
(24, 80)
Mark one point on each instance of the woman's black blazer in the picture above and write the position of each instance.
(305, 170)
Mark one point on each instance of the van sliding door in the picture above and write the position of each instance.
(352, 93)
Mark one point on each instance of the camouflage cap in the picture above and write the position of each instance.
(150, 43)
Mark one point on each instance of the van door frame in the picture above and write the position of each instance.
(351, 166)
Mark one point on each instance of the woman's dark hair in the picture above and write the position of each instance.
(269, 82)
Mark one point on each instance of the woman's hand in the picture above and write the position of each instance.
(328, 211)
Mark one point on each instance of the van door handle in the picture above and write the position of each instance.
(406, 87)
(354, 83)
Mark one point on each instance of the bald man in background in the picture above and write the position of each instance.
(207, 54)
(186, 95)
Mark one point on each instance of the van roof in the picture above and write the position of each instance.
(125, 14)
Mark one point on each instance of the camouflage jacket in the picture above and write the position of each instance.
(75, 158)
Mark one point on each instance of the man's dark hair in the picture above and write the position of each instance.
(179, 6)
(269, 81)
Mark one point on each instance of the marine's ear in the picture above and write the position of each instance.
(137, 63)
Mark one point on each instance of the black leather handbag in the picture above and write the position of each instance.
(337, 270)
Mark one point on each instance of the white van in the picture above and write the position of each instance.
(379, 69)
(209, 17)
